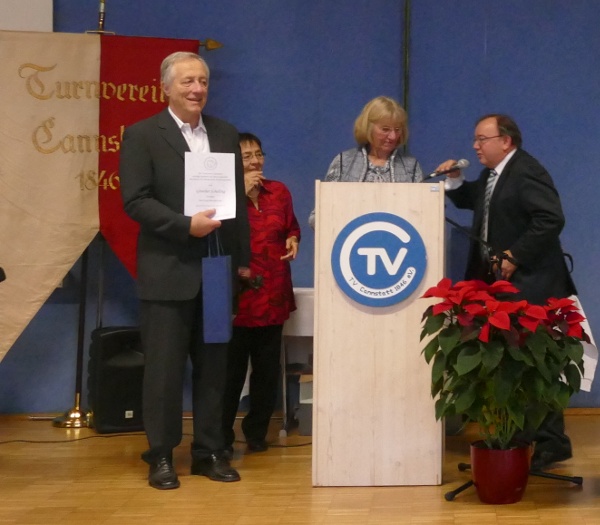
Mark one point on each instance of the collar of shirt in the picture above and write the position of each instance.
(196, 138)
(504, 162)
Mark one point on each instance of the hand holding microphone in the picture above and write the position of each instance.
(450, 167)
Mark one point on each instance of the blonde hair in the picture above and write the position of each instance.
(376, 110)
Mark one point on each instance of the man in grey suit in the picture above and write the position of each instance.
(169, 266)
(516, 195)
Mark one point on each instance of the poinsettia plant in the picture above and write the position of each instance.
(502, 363)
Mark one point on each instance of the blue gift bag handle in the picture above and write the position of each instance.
(215, 248)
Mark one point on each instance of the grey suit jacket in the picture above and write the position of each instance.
(169, 259)
(525, 217)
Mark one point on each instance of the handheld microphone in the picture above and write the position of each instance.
(462, 163)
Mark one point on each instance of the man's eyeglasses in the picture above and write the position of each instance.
(258, 156)
(482, 139)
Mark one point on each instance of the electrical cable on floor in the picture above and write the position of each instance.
(271, 445)
(115, 435)
(71, 440)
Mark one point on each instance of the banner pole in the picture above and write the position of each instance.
(75, 418)
(101, 15)
(101, 12)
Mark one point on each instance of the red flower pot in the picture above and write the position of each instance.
(500, 476)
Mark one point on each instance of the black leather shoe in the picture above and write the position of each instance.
(542, 459)
(257, 445)
(215, 468)
(162, 475)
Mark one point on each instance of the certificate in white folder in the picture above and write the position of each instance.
(210, 183)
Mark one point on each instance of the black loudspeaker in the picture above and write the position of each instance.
(115, 376)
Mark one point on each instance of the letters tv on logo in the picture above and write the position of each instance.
(378, 259)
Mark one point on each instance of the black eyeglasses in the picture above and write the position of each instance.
(482, 139)
(258, 156)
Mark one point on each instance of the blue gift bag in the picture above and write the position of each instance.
(216, 293)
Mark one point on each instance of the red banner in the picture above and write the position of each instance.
(129, 91)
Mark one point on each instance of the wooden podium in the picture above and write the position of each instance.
(373, 416)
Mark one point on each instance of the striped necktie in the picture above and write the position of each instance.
(489, 189)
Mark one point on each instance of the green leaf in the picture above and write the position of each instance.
(573, 377)
(428, 311)
(443, 408)
(438, 368)
(434, 323)
(536, 413)
(538, 344)
(430, 349)
(502, 388)
(506, 380)
(463, 401)
(436, 387)
(563, 396)
(515, 411)
(491, 355)
(575, 350)
(533, 385)
(551, 394)
(449, 337)
(468, 359)
(521, 354)
(544, 371)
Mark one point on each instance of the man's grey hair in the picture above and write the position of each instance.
(166, 68)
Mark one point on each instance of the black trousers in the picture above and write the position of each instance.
(171, 332)
(550, 436)
(262, 345)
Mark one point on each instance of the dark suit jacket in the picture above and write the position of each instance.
(152, 166)
(525, 217)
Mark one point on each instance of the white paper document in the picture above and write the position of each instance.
(210, 183)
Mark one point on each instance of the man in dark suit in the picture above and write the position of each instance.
(524, 219)
(170, 251)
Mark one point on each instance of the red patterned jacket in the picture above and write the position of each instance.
(270, 226)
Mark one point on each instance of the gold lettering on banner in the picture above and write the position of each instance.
(42, 136)
(45, 142)
(40, 83)
(90, 179)
(108, 144)
(39, 87)
(71, 90)
(143, 91)
(35, 87)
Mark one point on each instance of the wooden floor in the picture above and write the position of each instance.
(53, 475)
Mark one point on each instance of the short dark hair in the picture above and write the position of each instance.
(506, 127)
(249, 137)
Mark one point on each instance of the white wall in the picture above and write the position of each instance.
(26, 15)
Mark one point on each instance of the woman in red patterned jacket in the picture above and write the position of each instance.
(264, 304)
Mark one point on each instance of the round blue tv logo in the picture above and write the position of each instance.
(378, 259)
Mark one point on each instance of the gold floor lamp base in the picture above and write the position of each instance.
(73, 418)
